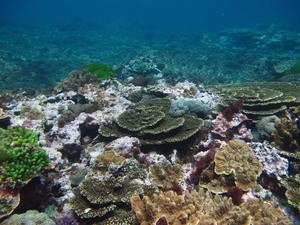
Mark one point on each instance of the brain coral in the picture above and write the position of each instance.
(260, 99)
(149, 122)
(237, 157)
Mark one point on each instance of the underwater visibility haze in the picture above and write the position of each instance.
(149, 112)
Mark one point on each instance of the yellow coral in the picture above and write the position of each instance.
(237, 158)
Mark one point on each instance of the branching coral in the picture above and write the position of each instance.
(201, 207)
(237, 158)
(23, 157)
(148, 121)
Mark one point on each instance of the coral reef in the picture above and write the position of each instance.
(273, 163)
(292, 193)
(95, 198)
(4, 119)
(201, 207)
(237, 158)
(23, 158)
(148, 121)
(179, 107)
(31, 217)
(106, 160)
(165, 175)
(8, 202)
(260, 99)
(100, 70)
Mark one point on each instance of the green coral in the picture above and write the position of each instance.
(22, 156)
(101, 70)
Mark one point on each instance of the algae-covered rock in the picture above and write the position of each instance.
(8, 202)
(237, 157)
(31, 217)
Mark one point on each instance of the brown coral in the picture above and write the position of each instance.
(165, 175)
(260, 99)
(148, 120)
(286, 135)
(96, 198)
(236, 157)
(107, 159)
(163, 204)
(202, 208)
(292, 193)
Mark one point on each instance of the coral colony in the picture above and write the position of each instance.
(128, 145)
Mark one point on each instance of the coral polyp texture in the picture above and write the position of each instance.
(149, 122)
(237, 158)
(260, 99)
(21, 157)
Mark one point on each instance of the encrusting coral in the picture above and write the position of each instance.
(148, 121)
(237, 157)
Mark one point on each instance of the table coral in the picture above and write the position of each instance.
(237, 158)
(95, 197)
(148, 122)
(260, 99)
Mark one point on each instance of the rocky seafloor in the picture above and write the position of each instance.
(115, 152)
(37, 57)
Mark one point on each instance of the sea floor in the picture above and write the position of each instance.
(37, 58)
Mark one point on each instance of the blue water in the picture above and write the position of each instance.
(43, 40)
(176, 15)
